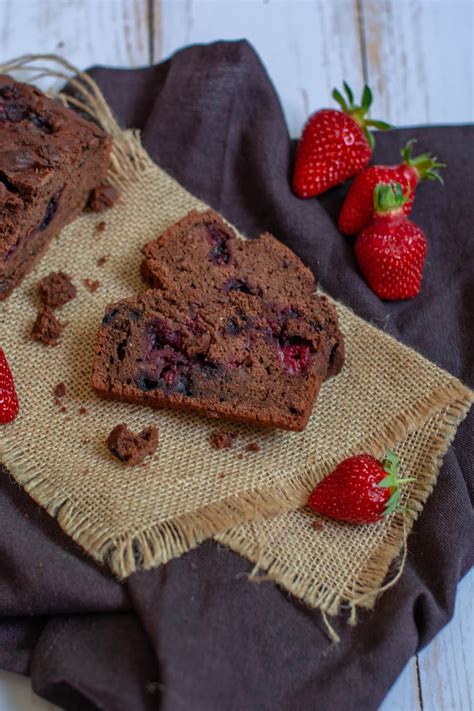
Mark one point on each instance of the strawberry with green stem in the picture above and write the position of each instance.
(335, 144)
(361, 489)
(391, 250)
(357, 210)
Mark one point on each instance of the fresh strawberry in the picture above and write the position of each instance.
(391, 250)
(358, 208)
(335, 145)
(361, 489)
(8, 399)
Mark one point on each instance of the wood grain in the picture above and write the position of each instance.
(419, 59)
(447, 664)
(86, 32)
(307, 47)
(404, 694)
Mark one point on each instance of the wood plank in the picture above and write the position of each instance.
(89, 32)
(404, 694)
(447, 664)
(16, 694)
(419, 59)
(307, 47)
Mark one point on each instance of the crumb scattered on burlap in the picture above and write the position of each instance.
(102, 261)
(253, 447)
(47, 329)
(317, 524)
(102, 197)
(56, 289)
(91, 285)
(132, 448)
(83, 410)
(100, 226)
(60, 390)
(222, 439)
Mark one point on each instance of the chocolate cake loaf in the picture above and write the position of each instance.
(232, 329)
(50, 160)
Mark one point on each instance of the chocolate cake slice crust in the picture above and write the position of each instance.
(50, 159)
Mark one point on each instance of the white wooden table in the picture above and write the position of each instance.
(417, 55)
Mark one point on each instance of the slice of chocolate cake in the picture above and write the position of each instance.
(50, 159)
(205, 257)
(246, 359)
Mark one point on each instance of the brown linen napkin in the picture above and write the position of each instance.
(188, 491)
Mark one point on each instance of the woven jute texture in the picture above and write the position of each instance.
(386, 395)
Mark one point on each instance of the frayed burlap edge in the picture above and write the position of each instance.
(143, 549)
(371, 580)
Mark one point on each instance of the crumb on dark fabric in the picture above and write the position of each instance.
(83, 410)
(60, 390)
(91, 285)
(56, 289)
(222, 439)
(253, 447)
(102, 261)
(100, 226)
(102, 197)
(47, 329)
(131, 448)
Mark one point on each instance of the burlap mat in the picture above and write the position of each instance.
(131, 519)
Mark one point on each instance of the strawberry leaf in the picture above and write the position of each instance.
(366, 98)
(337, 96)
(349, 93)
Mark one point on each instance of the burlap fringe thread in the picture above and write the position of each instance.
(144, 549)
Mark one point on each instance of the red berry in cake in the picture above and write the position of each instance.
(358, 208)
(8, 399)
(335, 145)
(391, 250)
(361, 489)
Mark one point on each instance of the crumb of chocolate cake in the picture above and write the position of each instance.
(60, 390)
(131, 448)
(100, 226)
(91, 285)
(83, 410)
(56, 289)
(222, 439)
(253, 447)
(63, 409)
(102, 197)
(317, 525)
(240, 455)
(47, 329)
(221, 475)
(102, 261)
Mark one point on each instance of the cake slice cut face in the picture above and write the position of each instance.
(243, 360)
(232, 329)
